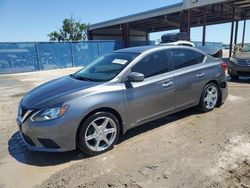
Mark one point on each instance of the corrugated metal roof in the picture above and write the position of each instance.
(139, 16)
(186, 4)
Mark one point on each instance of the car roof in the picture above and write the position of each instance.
(139, 49)
(142, 49)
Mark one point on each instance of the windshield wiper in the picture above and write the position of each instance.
(81, 78)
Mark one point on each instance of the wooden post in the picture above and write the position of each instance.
(182, 23)
(126, 34)
(185, 26)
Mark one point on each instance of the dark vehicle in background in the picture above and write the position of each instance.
(213, 51)
(173, 37)
(176, 39)
(239, 64)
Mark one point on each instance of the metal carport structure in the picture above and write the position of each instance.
(183, 16)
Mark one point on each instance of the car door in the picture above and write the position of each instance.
(189, 76)
(154, 96)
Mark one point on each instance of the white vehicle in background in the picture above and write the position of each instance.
(177, 43)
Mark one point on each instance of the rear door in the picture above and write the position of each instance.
(189, 76)
(154, 96)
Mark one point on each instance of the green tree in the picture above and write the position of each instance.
(71, 30)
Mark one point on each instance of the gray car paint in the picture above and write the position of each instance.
(136, 103)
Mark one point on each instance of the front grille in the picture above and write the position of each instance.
(243, 73)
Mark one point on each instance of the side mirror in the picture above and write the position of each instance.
(135, 77)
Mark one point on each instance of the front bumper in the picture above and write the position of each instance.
(56, 135)
(238, 70)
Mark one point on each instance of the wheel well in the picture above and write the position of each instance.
(220, 94)
(110, 110)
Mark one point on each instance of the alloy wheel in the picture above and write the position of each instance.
(100, 134)
(211, 97)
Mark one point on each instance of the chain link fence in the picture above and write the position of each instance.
(35, 56)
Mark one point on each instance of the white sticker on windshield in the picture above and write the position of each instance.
(120, 61)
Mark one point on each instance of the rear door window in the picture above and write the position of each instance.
(185, 58)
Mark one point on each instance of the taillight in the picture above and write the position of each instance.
(223, 65)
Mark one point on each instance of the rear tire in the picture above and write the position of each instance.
(209, 97)
(98, 133)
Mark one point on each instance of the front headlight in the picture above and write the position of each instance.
(49, 113)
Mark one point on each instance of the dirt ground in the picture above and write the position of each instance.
(187, 149)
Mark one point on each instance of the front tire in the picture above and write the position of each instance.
(209, 97)
(98, 133)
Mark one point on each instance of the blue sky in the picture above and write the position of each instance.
(32, 20)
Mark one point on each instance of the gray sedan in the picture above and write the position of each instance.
(91, 108)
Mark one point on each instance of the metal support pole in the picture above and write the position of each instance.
(204, 28)
(189, 24)
(71, 53)
(232, 31)
(98, 46)
(236, 34)
(38, 57)
(243, 35)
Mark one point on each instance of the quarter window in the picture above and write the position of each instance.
(184, 58)
(153, 64)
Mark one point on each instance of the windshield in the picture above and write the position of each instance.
(247, 48)
(242, 52)
(106, 67)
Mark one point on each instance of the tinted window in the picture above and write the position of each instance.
(183, 57)
(200, 57)
(153, 64)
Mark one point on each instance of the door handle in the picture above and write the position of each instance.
(167, 84)
(200, 75)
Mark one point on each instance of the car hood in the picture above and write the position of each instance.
(55, 91)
